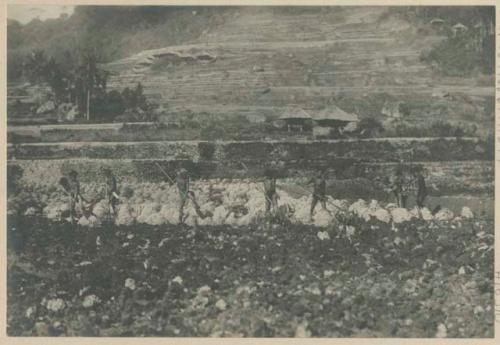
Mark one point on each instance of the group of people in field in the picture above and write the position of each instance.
(78, 205)
(403, 183)
(406, 182)
(318, 183)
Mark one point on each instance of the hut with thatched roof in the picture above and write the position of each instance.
(332, 118)
(295, 119)
(459, 28)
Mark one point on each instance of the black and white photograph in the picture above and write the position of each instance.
(250, 171)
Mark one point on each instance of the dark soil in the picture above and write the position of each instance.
(259, 281)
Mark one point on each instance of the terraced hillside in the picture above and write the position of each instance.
(260, 60)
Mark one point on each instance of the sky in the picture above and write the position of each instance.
(25, 13)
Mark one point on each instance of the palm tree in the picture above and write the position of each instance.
(35, 66)
(90, 79)
(88, 71)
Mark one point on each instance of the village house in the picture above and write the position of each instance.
(295, 119)
(458, 29)
(332, 120)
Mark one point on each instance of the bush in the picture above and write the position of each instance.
(108, 106)
(454, 57)
(207, 150)
(436, 129)
(14, 174)
(370, 126)
(212, 132)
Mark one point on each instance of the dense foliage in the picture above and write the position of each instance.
(114, 31)
(476, 45)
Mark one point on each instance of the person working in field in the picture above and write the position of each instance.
(421, 187)
(111, 190)
(398, 187)
(319, 191)
(270, 191)
(182, 181)
(405, 190)
(71, 186)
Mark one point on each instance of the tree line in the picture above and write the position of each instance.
(79, 80)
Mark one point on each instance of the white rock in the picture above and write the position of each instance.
(400, 215)
(55, 304)
(415, 212)
(31, 211)
(155, 219)
(93, 221)
(391, 206)
(426, 214)
(382, 215)
(100, 209)
(467, 213)
(442, 332)
(149, 209)
(330, 290)
(90, 300)
(221, 304)
(478, 310)
(83, 221)
(323, 235)
(328, 273)
(177, 280)
(130, 283)
(124, 216)
(29, 312)
(361, 209)
(444, 215)
(350, 231)
(301, 331)
(204, 290)
(322, 218)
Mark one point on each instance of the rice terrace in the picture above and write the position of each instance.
(251, 171)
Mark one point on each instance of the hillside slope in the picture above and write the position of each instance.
(260, 60)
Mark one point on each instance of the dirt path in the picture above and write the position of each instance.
(195, 142)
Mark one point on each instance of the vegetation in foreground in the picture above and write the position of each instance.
(354, 278)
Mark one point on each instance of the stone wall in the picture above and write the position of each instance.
(443, 178)
(293, 153)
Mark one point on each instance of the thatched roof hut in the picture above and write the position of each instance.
(295, 118)
(295, 114)
(334, 116)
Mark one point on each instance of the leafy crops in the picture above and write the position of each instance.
(356, 278)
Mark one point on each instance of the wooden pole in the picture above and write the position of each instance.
(88, 105)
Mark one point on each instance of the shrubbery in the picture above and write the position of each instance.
(436, 129)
